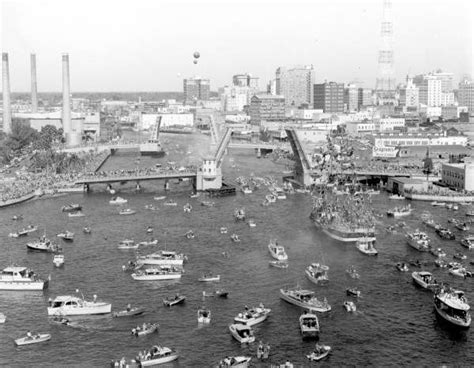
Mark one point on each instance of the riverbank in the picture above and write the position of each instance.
(14, 201)
(438, 198)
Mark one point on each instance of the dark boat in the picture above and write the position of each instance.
(72, 207)
(445, 234)
(173, 300)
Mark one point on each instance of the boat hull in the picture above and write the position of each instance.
(161, 262)
(32, 340)
(452, 321)
(239, 338)
(154, 362)
(101, 309)
(173, 276)
(23, 285)
(347, 235)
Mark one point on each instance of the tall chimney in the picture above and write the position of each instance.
(66, 99)
(34, 86)
(7, 112)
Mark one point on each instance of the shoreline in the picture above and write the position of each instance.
(12, 202)
(441, 198)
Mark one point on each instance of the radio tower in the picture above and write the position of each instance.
(385, 86)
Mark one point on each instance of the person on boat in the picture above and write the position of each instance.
(29, 335)
(129, 307)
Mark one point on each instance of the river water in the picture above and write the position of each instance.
(394, 325)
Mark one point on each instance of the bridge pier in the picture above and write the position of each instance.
(137, 186)
(86, 188)
(259, 152)
(167, 185)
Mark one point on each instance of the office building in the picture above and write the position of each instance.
(466, 95)
(196, 88)
(458, 176)
(351, 97)
(409, 94)
(329, 97)
(296, 85)
(265, 107)
(364, 98)
(245, 80)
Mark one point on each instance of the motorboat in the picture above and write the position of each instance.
(25, 231)
(317, 273)
(352, 272)
(32, 339)
(431, 223)
(157, 274)
(438, 204)
(209, 277)
(462, 226)
(67, 235)
(76, 214)
(151, 207)
(187, 208)
(43, 245)
(234, 362)
(460, 272)
(118, 200)
(221, 293)
(145, 329)
(445, 234)
(86, 230)
(72, 207)
(425, 280)
(353, 292)
(305, 299)
(402, 267)
(278, 264)
(129, 312)
(127, 244)
(69, 305)
(58, 260)
(235, 238)
(396, 196)
(468, 242)
(277, 251)
(189, 234)
(164, 257)
(21, 278)
(366, 246)
(239, 214)
(438, 252)
(253, 315)
(149, 242)
(194, 195)
(127, 211)
(204, 315)
(223, 230)
(173, 300)
(452, 306)
(441, 263)
(159, 198)
(309, 325)
(349, 306)
(460, 256)
(17, 217)
(252, 223)
(419, 241)
(207, 203)
(242, 333)
(246, 190)
(271, 198)
(149, 229)
(320, 352)
(170, 203)
(158, 355)
(400, 211)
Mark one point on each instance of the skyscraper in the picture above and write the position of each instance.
(466, 95)
(296, 85)
(329, 97)
(196, 88)
(385, 87)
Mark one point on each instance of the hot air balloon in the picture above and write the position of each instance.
(196, 55)
(195, 61)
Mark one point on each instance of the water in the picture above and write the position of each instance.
(394, 325)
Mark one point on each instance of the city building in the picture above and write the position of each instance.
(329, 97)
(351, 98)
(295, 85)
(389, 124)
(196, 88)
(265, 107)
(418, 139)
(168, 121)
(446, 79)
(435, 89)
(234, 98)
(409, 94)
(245, 80)
(466, 95)
(458, 176)
(364, 98)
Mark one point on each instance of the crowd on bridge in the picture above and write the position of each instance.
(138, 172)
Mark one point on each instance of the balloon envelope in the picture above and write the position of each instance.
(197, 55)
(195, 61)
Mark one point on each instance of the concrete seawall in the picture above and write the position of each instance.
(438, 198)
(18, 200)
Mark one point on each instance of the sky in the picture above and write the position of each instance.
(148, 45)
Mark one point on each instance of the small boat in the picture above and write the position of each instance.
(145, 329)
(17, 217)
(223, 230)
(400, 211)
(253, 316)
(194, 195)
(242, 333)
(445, 234)
(129, 312)
(221, 293)
(170, 203)
(158, 355)
(309, 325)
(67, 235)
(402, 267)
(452, 306)
(173, 300)
(158, 274)
(68, 305)
(239, 214)
(353, 292)
(204, 315)
(72, 207)
(25, 231)
(349, 306)
(396, 196)
(159, 198)
(127, 211)
(441, 263)
(234, 362)
(127, 244)
(118, 200)
(305, 299)
(149, 242)
(278, 264)
(21, 278)
(468, 242)
(246, 190)
(164, 257)
(317, 273)
(320, 352)
(189, 234)
(207, 203)
(235, 238)
(460, 256)
(438, 252)
(460, 272)
(3, 318)
(252, 223)
(271, 198)
(32, 339)
(187, 208)
(352, 272)
(58, 260)
(87, 230)
(366, 246)
(43, 245)
(462, 226)
(151, 207)
(419, 241)
(425, 280)
(277, 251)
(209, 277)
(76, 214)
(149, 229)
(438, 204)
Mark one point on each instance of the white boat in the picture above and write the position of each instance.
(129, 312)
(278, 264)
(145, 329)
(425, 280)
(366, 246)
(155, 274)
(452, 306)
(164, 257)
(271, 198)
(419, 241)
(76, 214)
(252, 223)
(277, 251)
(32, 339)
(460, 271)
(173, 300)
(187, 208)
(118, 200)
(235, 238)
(400, 211)
(67, 235)
(320, 352)
(159, 198)
(72, 207)
(309, 325)
(149, 242)
(58, 260)
(305, 299)
(280, 194)
(158, 355)
(239, 214)
(127, 244)
(317, 273)
(396, 196)
(189, 234)
(70, 305)
(402, 267)
(170, 203)
(204, 315)
(234, 362)
(246, 190)
(349, 306)
(3, 318)
(127, 211)
(223, 230)
(438, 204)
(242, 333)
(209, 277)
(23, 232)
(253, 316)
(21, 278)
(468, 242)
(438, 252)
(43, 245)
(462, 226)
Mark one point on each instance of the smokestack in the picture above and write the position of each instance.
(7, 112)
(34, 87)
(66, 99)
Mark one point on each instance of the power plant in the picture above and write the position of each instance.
(34, 86)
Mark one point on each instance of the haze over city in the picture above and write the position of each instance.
(148, 45)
